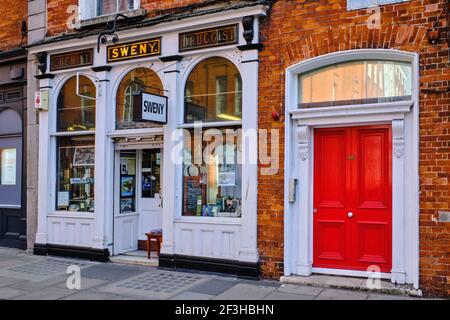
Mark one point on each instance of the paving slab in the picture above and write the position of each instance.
(89, 295)
(4, 281)
(244, 291)
(214, 287)
(86, 283)
(336, 294)
(46, 294)
(30, 285)
(375, 296)
(111, 272)
(190, 295)
(9, 293)
(287, 296)
(155, 284)
(301, 290)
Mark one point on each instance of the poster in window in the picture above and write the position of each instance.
(84, 156)
(8, 167)
(127, 186)
(127, 205)
(227, 179)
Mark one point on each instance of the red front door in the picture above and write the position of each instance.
(353, 198)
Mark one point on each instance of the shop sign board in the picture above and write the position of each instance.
(74, 59)
(206, 38)
(150, 107)
(134, 50)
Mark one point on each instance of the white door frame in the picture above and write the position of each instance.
(403, 117)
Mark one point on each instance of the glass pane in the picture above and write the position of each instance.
(356, 82)
(106, 7)
(75, 173)
(8, 163)
(74, 112)
(213, 92)
(212, 173)
(128, 182)
(151, 173)
(135, 81)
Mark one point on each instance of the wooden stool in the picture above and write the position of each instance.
(153, 236)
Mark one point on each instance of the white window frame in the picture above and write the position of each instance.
(88, 9)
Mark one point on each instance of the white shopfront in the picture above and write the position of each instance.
(106, 178)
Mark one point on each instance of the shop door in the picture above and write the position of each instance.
(126, 215)
(150, 197)
(353, 198)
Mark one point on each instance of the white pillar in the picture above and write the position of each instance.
(248, 251)
(44, 183)
(171, 188)
(398, 273)
(304, 257)
(102, 162)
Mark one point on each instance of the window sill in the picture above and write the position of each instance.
(209, 220)
(108, 18)
(70, 214)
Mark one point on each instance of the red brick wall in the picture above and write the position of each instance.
(10, 25)
(298, 30)
(58, 15)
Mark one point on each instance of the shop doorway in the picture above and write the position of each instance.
(138, 197)
(353, 198)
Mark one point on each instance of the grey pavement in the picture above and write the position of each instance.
(27, 277)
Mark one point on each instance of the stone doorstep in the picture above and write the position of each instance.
(135, 260)
(351, 283)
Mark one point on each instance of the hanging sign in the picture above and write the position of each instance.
(150, 107)
(134, 50)
(206, 38)
(71, 59)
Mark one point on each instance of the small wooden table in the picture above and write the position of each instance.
(153, 237)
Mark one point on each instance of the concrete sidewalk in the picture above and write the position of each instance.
(27, 277)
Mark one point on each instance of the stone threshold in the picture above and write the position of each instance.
(135, 260)
(351, 283)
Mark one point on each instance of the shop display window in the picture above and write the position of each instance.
(213, 92)
(140, 79)
(75, 173)
(128, 182)
(76, 113)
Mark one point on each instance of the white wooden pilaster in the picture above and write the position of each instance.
(102, 163)
(304, 256)
(171, 189)
(248, 250)
(44, 196)
(398, 202)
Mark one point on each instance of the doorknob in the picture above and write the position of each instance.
(350, 214)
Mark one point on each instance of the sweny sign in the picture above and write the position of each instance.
(134, 50)
(150, 107)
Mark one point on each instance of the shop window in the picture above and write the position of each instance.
(355, 82)
(106, 7)
(95, 8)
(141, 79)
(213, 92)
(75, 173)
(76, 113)
(212, 166)
(8, 166)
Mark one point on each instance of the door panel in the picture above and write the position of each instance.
(372, 220)
(332, 184)
(353, 198)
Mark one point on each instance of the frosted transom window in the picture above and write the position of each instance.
(355, 82)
